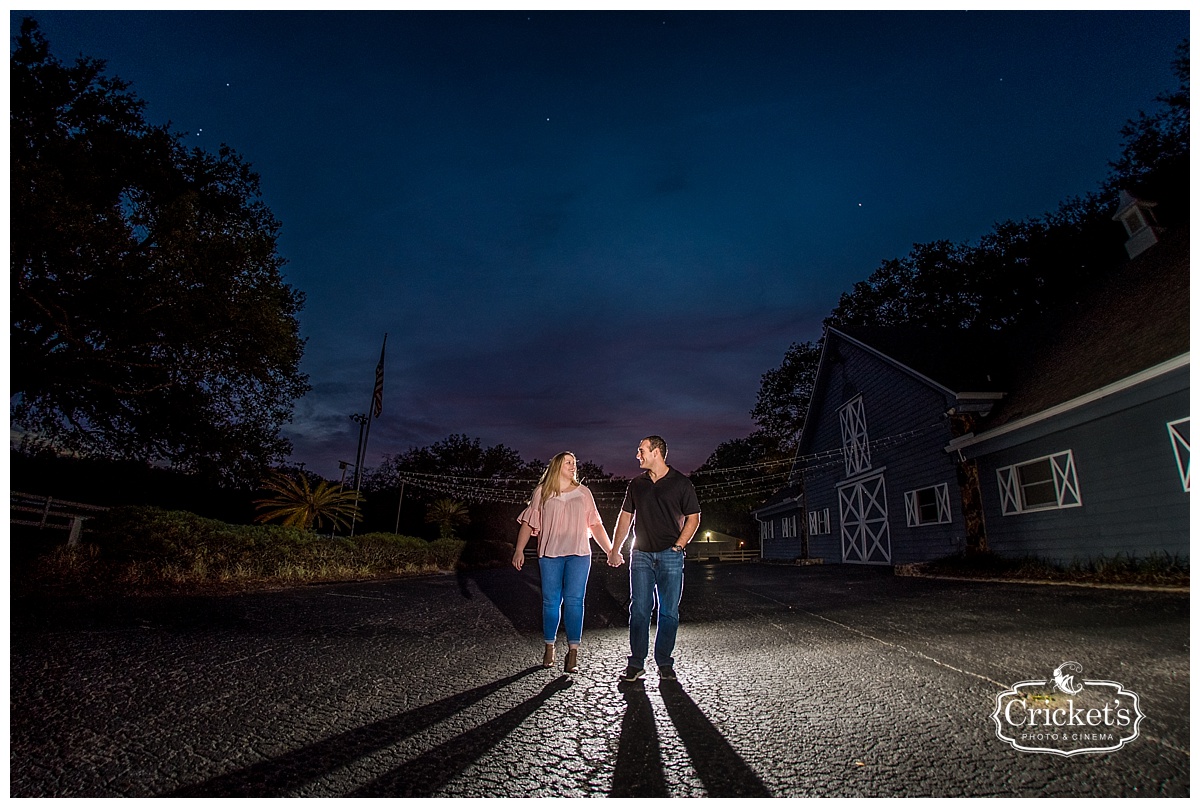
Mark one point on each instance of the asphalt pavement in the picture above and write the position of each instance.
(793, 682)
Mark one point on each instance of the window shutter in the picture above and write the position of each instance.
(1066, 486)
(1181, 433)
(1010, 501)
(943, 503)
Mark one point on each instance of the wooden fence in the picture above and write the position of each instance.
(47, 513)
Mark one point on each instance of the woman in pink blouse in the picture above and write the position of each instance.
(563, 515)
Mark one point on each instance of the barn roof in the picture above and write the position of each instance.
(958, 360)
(1134, 319)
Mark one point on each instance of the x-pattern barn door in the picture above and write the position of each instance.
(865, 535)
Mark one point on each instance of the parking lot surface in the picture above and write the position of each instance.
(793, 682)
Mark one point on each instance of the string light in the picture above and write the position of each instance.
(753, 480)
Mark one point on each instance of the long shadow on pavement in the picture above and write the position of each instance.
(639, 770)
(425, 774)
(639, 767)
(719, 767)
(276, 777)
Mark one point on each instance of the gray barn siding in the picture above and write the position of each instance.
(1133, 500)
(828, 547)
(894, 403)
(781, 549)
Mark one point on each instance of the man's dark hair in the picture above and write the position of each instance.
(657, 443)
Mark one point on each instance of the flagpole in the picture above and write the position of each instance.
(373, 412)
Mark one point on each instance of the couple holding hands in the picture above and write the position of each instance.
(661, 506)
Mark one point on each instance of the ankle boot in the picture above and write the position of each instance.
(572, 663)
(548, 657)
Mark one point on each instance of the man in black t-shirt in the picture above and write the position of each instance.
(661, 506)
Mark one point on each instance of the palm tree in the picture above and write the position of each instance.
(447, 514)
(299, 504)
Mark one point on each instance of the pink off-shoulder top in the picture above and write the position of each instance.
(563, 524)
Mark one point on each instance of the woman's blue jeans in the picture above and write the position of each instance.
(654, 576)
(564, 581)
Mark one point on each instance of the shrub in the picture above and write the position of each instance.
(1156, 568)
(143, 547)
(447, 552)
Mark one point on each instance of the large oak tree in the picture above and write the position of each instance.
(149, 317)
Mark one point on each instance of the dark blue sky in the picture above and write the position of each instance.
(582, 228)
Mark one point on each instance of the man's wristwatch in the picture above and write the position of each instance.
(677, 548)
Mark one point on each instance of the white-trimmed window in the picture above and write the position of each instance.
(856, 447)
(766, 530)
(818, 523)
(1047, 483)
(928, 506)
(1181, 441)
(789, 527)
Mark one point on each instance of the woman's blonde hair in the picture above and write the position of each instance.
(550, 477)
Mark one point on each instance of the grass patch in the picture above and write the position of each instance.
(1157, 569)
(146, 550)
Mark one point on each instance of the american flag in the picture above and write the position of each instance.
(377, 397)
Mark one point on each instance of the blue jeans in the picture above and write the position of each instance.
(564, 580)
(654, 577)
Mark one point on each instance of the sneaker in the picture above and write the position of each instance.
(667, 673)
(572, 663)
(632, 674)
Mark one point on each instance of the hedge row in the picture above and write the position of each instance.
(147, 546)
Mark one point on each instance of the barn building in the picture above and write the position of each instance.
(1069, 441)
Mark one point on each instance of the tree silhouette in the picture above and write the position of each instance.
(149, 319)
(453, 456)
(783, 398)
(1156, 145)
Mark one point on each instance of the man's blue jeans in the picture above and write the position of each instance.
(654, 577)
(564, 582)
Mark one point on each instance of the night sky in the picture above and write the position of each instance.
(578, 229)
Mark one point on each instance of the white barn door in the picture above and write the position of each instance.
(865, 535)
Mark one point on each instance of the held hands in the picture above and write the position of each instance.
(615, 559)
